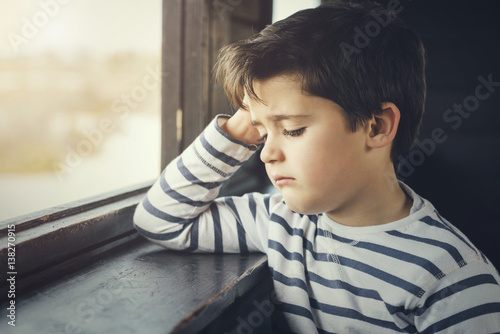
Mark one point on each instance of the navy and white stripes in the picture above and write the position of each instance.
(416, 275)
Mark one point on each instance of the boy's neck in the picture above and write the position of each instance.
(380, 203)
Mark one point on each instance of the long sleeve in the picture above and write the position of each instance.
(181, 211)
(466, 301)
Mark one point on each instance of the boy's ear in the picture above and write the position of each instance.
(382, 128)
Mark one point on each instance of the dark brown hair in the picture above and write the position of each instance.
(357, 54)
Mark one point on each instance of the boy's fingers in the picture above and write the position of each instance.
(240, 127)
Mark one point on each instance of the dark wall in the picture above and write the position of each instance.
(461, 175)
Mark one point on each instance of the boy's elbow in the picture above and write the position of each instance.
(148, 227)
(162, 232)
(140, 219)
(143, 223)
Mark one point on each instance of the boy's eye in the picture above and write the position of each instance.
(294, 133)
(262, 139)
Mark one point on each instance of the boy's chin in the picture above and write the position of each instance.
(301, 208)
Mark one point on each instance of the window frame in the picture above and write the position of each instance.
(51, 242)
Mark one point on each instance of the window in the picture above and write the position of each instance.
(79, 100)
(284, 8)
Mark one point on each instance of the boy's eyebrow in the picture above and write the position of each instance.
(278, 118)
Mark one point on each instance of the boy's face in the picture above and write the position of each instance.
(311, 156)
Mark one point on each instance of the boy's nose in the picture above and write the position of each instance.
(271, 152)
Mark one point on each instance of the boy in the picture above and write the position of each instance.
(348, 251)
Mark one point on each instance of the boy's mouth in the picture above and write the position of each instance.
(282, 180)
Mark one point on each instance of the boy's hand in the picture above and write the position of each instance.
(240, 127)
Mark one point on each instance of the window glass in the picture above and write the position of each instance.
(284, 8)
(79, 100)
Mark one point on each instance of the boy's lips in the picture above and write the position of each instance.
(282, 180)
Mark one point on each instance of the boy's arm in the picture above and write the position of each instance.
(465, 301)
(181, 211)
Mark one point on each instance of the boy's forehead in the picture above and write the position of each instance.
(275, 93)
(277, 106)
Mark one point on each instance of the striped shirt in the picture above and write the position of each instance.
(419, 274)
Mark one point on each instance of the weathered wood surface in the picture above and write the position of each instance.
(61, 240)
(138, 288)
(172, 78)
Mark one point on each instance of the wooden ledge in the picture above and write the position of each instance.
(140, 287)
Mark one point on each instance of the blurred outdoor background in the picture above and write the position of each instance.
(80, 98)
